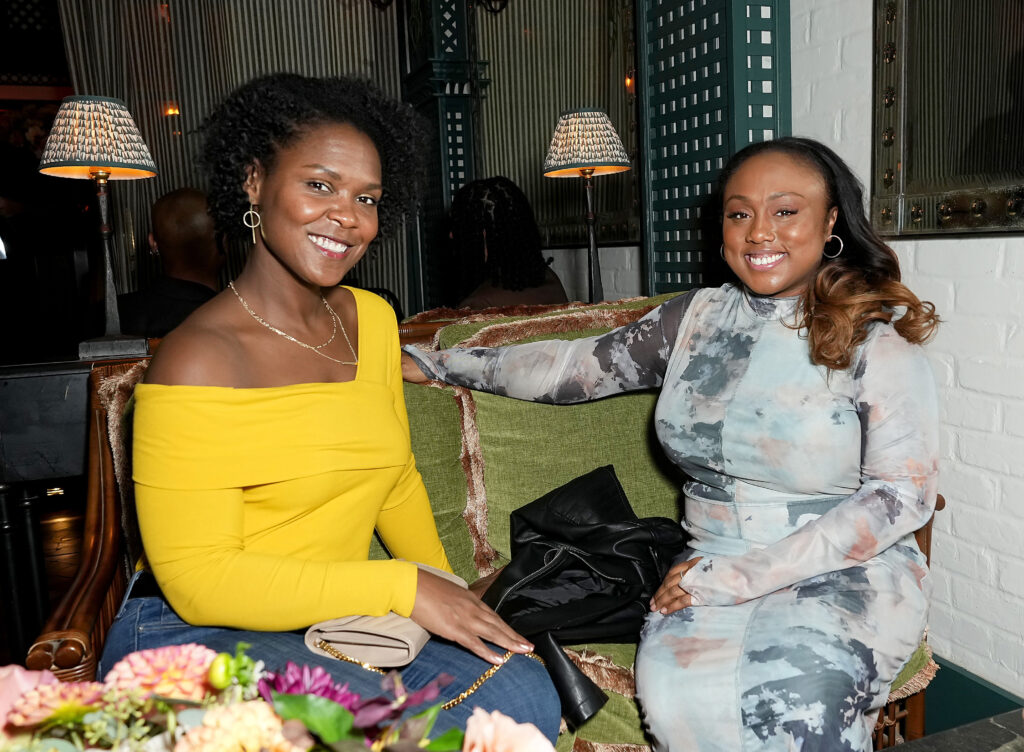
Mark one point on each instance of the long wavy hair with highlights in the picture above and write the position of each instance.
(861, 285)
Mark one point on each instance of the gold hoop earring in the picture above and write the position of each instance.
(828, 240)
(252, 220)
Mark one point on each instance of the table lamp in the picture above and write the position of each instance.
(96, 138)
(585, 144)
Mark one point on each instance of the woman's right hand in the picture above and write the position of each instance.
(447, 610)
(411, 372)
(671, 597)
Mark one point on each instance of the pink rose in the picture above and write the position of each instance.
(16, 681)
(495, 732)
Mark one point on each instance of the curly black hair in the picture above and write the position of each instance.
(497, 207)
(260, 117)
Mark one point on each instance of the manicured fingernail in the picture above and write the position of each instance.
(664, 610)
(525, 646)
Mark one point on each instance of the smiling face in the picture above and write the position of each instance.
(776, 220)
(318, 202)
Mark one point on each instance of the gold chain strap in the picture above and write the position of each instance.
(484, 677)
(334, 652)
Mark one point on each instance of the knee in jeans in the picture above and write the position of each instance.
(530, 695)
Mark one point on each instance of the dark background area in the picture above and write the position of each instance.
(48, 302)
(47, 298)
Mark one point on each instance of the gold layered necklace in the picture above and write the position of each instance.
(318, 349)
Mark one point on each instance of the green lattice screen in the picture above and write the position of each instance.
(714, 77)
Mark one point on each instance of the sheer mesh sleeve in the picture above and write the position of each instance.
(631, 357)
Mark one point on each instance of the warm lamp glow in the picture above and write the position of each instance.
(88, 171)
(171, 108)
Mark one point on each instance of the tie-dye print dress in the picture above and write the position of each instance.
(806, 488)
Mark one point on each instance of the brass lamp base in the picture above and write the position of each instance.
(112, 344)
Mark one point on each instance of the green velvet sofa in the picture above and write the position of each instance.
(482, 456)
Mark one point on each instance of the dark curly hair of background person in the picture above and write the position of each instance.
(262, 116)
(494, 214)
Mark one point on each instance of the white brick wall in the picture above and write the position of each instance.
(977, 618)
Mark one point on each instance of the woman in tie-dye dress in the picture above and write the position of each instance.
(803, 410)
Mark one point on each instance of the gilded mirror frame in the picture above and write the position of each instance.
(948, 117)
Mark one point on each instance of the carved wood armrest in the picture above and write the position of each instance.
(73, 637)
(63, 649)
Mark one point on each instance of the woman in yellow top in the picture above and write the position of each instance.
(271, 436)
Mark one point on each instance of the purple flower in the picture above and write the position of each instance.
(307, 681)
(373, 711)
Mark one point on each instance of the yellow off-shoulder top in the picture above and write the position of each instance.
(257, 506)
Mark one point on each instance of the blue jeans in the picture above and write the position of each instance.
(521, 688)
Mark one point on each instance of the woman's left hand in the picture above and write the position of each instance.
(670, 596)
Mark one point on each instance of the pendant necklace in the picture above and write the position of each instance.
(335, 321)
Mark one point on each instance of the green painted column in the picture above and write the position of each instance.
(713, 77)
(444, 81)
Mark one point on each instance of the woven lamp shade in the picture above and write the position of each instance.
(585, 140)
(92, 134)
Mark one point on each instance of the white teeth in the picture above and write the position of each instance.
(765, 260)
(327, 243)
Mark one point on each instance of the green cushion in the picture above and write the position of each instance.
(617, 723)
(621, 653)
(529, 449)
(917, 662)
(437, 445)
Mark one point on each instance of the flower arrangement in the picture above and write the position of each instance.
(187, 698)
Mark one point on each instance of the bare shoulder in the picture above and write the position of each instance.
(203, 351)
(344, 299)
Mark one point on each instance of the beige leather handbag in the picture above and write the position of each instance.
(389, 640)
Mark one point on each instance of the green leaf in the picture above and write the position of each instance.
(447, 742)
(175, 701)
(428, 716)
(325, 718)
(242, 666)
(51, 744)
